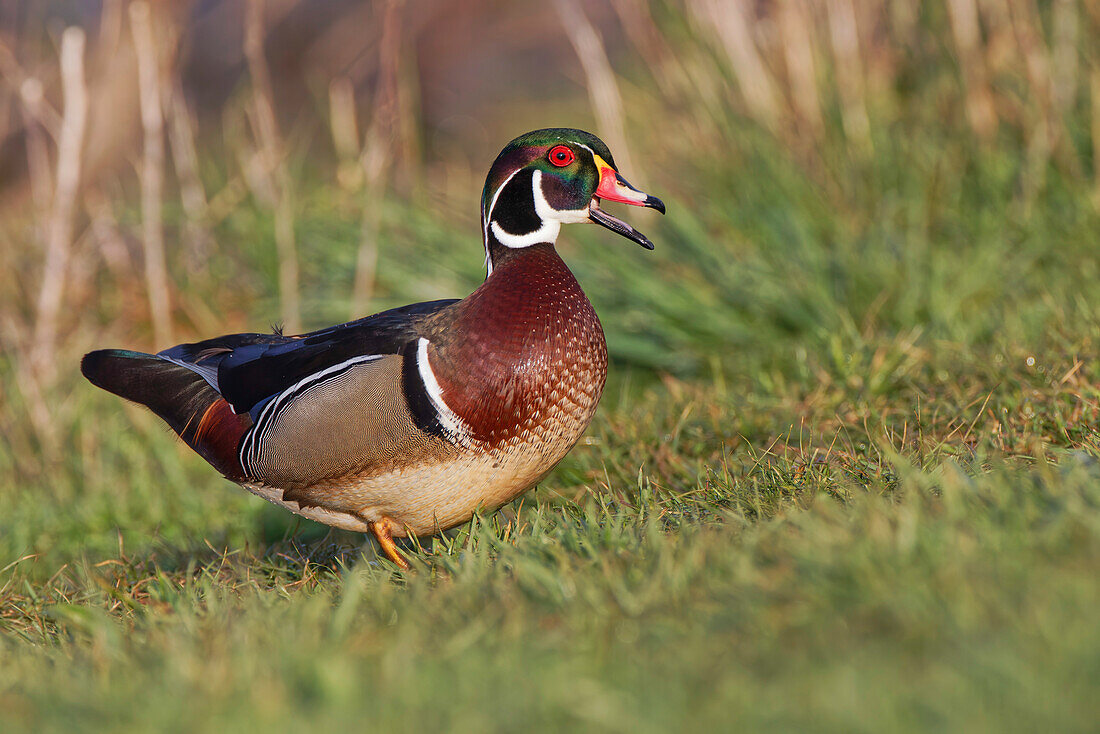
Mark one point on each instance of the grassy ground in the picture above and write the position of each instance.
(846, 477)
(668, 571)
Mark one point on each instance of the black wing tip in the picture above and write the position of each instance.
(97, 366)
(91, 365)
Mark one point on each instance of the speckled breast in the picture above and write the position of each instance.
(529, 368)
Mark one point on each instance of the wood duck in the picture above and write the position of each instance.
(408, 421)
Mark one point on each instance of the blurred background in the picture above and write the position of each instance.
(842, 177)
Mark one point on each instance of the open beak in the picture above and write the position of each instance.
(614, 187)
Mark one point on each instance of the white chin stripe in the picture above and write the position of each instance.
(450, 421)
(552, 220)
(488, 217)
(548, 213)
(548, 232)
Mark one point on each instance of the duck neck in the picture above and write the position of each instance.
(497, 254)
(530, 299)
(528, 336)
(516, 219)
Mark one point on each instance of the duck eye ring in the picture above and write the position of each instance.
(561, 156)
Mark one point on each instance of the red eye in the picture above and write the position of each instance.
(561, 155)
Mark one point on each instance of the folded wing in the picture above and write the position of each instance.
(257, 405)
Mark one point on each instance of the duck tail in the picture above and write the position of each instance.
(180, 396)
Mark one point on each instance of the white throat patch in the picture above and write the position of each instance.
(551, 218)
(547, 232)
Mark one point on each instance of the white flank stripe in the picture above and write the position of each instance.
(447, 417)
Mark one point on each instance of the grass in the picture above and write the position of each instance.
(844, 478)
(773, 595)
(829, 559)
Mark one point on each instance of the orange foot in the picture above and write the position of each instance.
(382, 530)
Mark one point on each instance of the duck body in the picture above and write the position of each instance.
(521, 388)
(408, 421)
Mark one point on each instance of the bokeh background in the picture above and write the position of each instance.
(831, 166)
(862, 193)
(876, 284)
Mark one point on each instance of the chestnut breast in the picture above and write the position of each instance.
(523, 352)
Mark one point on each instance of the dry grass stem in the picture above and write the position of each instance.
(15, 75)
(110, 30)
(1064, 21)
(1042, 132)
(844, 35)
(38, 154)
(966, 30)
(342, 118)
(152, 172)
(181, 137)
(366, 261)
(796, 28)
(1094, 93)
(59, 232)
(651, 45)
(344, 125)
(376, 157)
(273, 162)
(603, 89)
(730, 21)
(107, 235)
(7, 102)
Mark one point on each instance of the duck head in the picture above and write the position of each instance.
(551, 177)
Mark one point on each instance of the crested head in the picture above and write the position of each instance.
(531, 148)
(549, 177)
